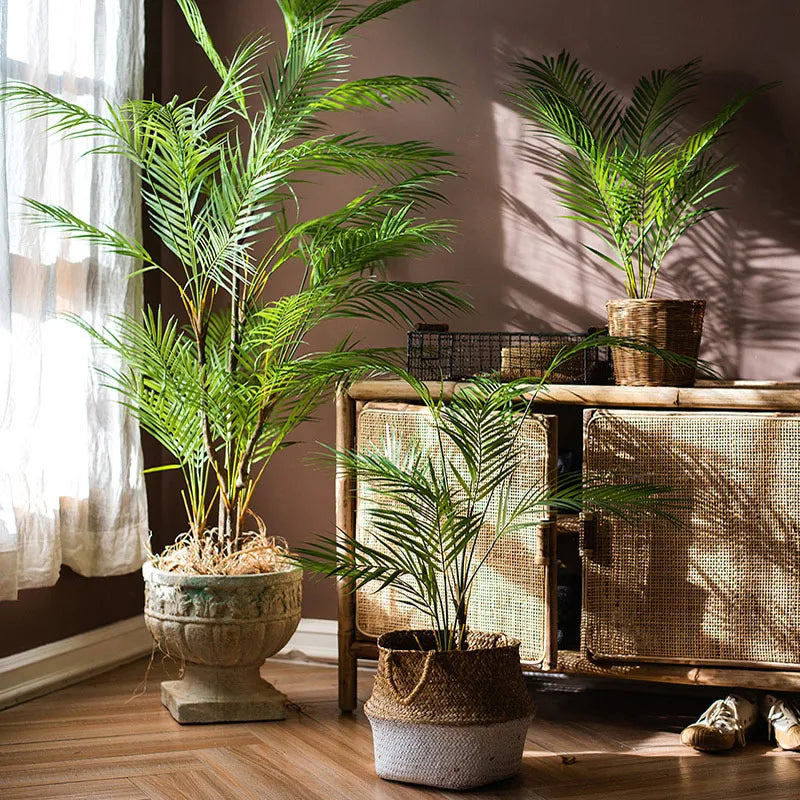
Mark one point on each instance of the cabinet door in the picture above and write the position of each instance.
(515, 592)
(722, 586)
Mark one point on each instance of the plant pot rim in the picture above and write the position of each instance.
(164, 577)
(659, 300)
(503, 642)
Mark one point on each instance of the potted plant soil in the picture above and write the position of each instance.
(223, 386)
(449, 707)
(633, 175)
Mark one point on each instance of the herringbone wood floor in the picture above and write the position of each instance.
(98, 740)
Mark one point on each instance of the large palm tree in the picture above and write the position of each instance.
(223, 388)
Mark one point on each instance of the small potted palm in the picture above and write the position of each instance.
(636, 179)
(449, 707)
(223, 387)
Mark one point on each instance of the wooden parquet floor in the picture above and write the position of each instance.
(101, 740)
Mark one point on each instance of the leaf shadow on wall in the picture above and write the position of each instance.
(745, 260)
(752, 297)
(573, 310)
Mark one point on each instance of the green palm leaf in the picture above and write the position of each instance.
(385, 91)
(657, 100)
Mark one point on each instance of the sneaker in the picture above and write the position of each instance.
(783, 719)
(722, 726)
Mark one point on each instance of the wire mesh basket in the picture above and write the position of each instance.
(434, 353)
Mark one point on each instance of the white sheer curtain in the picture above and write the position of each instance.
(71, 488)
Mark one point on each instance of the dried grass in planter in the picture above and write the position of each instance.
(209, 554)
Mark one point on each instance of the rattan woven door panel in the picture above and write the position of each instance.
(722, 586)
(512, 593)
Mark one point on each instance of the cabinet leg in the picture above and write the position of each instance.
(348, 679)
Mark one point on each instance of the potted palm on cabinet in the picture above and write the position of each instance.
(637, 180)
(224, 387)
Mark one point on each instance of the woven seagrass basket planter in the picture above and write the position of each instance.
(454, 719)
(221, 628)
(674, 325)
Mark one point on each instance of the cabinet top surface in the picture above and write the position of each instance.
(755, 395)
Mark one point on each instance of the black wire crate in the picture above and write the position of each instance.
(438, 354)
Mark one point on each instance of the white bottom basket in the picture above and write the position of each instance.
(448, 756)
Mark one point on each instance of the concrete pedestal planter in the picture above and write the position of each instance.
(222, 628)
(455, 719)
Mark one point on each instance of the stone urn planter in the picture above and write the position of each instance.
(221, 629)
(452, 719)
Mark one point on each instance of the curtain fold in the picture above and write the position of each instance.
(71, 485)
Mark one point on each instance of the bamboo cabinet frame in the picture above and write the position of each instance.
(734, 396)
(345, 525)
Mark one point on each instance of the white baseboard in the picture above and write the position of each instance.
(44, 669)
(314, 640)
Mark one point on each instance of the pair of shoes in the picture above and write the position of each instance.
(725, 723)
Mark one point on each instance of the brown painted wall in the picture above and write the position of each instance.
(523, 265)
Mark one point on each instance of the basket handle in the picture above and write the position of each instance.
(426, 668)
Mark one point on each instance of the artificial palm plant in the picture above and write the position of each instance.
(628, 171)
(430, 506)
(435, 506)
(637, 179)
(223, 388)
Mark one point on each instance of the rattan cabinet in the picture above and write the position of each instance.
(711, 598)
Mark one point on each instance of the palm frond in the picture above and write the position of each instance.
(359, 155)
(110, 240)
(568, 100)
(350, 250)
(369, 12)
(69, 120)
(385, 91)
(292, 87)
(194, 19)
(657, 100)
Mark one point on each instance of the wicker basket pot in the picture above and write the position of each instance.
(454, 719)
(675, 325)
(221, 628)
